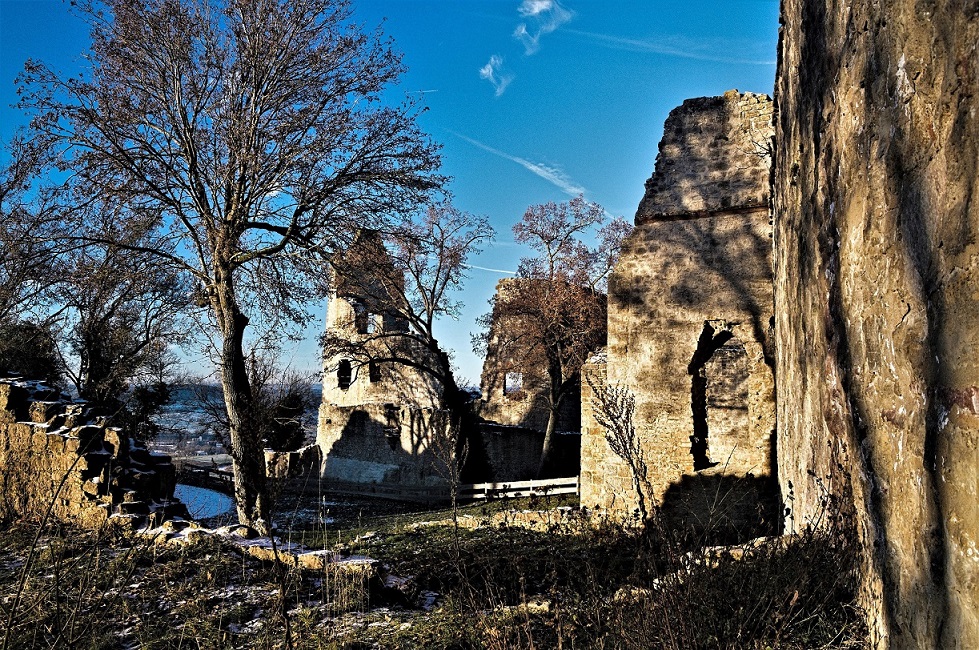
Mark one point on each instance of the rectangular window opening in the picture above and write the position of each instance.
(345, 374)
(361, 318)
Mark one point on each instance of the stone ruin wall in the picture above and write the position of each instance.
(381, 442)
(877, 282)
(527, 407)
(383, 427)
(54, 452)
(377, 423)
(390, 382)
(379, 428)
(690, 302)
(605, 480)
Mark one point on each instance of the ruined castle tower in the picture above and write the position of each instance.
(690, 312)
(375, 418)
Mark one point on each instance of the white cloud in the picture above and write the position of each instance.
(494, 73)
(546, 16)
(486, 268)
(550, 173)
(534, 7)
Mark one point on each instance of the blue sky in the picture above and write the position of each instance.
(532, 100)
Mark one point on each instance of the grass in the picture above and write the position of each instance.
(560, 585)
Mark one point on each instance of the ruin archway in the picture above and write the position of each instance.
(719, 373)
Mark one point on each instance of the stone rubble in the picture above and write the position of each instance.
(58, 454)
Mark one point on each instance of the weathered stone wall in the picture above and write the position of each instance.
(381, 443)
(391, 443)
(526, 406)
(53, 451)
(513, 453)
(714, 156)
(376, 418)
(877, 282)
(690, 308)
(387, 381)
(509, 354)
(299, 463)
(605, 480)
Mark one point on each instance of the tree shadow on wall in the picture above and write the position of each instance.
(395, 444)
(530, 401)
(720, 267)
(718, 509)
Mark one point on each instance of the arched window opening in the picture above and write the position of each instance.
(710, 341)
(361, 317)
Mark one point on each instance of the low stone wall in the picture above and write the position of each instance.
(513, 453)
(292, 464)
(398, 444)
(56, 455)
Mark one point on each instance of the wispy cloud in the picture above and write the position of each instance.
(672, 46)
(535, 7)
(544, 16)
(549, 173)
(494, 73)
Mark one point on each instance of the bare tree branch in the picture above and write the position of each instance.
(250, 136)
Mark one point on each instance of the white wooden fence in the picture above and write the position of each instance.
(224, 481)
(483, 491)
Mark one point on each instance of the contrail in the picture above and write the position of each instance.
(486, 268)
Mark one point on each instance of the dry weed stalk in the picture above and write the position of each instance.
(614, 409)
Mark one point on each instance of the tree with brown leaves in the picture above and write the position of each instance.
(553, 314)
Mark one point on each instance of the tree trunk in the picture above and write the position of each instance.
(247, 454)
(547, 449)
(554, 402)
(470, 452)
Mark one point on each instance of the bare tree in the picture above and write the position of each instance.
(30, 231)
(30, 244)
(281, 397)
(410, 275)
(114, 311)
(124, 310)
(553, 314)
(249, 136)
